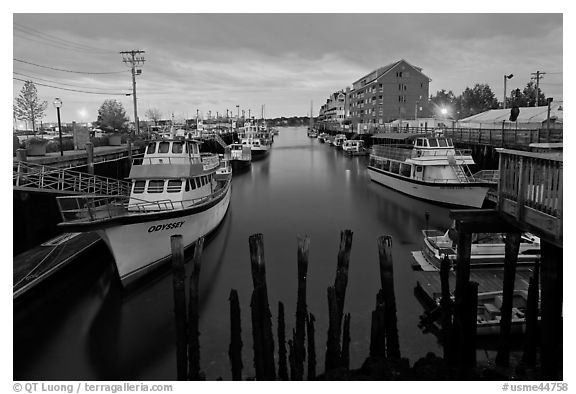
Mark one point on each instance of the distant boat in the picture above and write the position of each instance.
(430, 168)
(339, 141)
(354, 148)
(257, 139)
(322, 137)
(239, 156)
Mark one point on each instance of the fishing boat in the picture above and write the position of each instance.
(239, 156)
(354, 148)
(224, 172)
(259, 141)
(174, 190)
(487, 250)
(338, 141)
(322, 137)
(430, 168)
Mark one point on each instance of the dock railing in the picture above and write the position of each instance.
(505, 138)
(37, 177)
(530, 190)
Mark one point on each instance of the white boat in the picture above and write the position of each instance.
(224, 171)
(322, 137)
(430, 168)
(487, 250)
(174, 191)
(354, 147)
(338, 141)
(259, 141)
(239, 156)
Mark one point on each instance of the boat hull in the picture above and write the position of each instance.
(463, 194)
(259, 154)
(239, 165)
(139, 248)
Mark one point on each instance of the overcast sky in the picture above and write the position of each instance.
(217, 61)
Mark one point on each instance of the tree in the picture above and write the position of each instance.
(479, 99)
(111, 116)
(526, 97)
(153, 114)
(442, 99)
(28, 105)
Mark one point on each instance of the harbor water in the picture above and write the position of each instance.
(84, 326)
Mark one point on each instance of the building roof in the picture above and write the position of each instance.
(397, 136)
(527, 115)
(383, 70)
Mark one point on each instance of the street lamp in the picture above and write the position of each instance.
(58, 104)
(505, 78)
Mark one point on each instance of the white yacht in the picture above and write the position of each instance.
(259, 142)
(429, 168)
(174, 191)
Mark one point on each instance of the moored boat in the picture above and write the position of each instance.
(254, 137)
(487, 250)
(354, 148)
(338, 141)
(239, 156)
(430, 168)
(322, 137)
(174, 191)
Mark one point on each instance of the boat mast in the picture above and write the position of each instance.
(311, 116)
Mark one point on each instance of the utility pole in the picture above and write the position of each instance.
(538, 75)
(130, 57)
(506, 77)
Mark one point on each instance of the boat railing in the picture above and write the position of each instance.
(210, 162)
(391, 152)
(492, 176)
(166, 160)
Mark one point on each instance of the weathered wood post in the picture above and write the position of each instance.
(470, 325)
(387, 280)
(551, 310)
(378, 328)
(179, 306)
(511, 248)
(261, 316)
(235, 349)
(464, 247)
(346, 342)
(193, 318)
(333, 338)
(446, 306)
(301, 311)
(90, 157)
(310, 332)
(282, 365)
(531, 334)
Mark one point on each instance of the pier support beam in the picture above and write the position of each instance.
(551, 315)
(511, 248)
(90, 154)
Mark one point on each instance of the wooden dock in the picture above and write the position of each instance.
(38, 264)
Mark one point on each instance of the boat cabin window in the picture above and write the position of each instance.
(197, 183)
(192, 148)
(163, 147)
(174, 186)
(139, 186)
(442, 142)
(155, 186)
(450, 143)
(187, 187)
(177, 147)
(433, 142)
(418, 168)
(151, 148)
(420, 142)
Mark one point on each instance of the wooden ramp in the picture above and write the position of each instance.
(38, 264)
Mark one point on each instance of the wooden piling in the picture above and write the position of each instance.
(464, 242)
(193, 318)
(310, 332)
(531, 337)
(235, 349)
(446, 308)
(378, 328)
(179, 306)
(470, 321)
(282, 366)
(511, 248)
(261, 316)
(333, 338)
(291, 358)
(341, 281)
(346, 342)
(301, 312)
(387, 280)
(90, 157)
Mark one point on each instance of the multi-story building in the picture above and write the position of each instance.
(396, 91)
(334, 111)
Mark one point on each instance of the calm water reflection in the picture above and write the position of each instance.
(91, 330)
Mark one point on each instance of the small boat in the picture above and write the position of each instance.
(338, 141)
(322, 137)
(258, 140)
(239, 156)
(354, 148)
(487, 250)
(224, 172)
(488, 311)
(430, 168)
(174, 191)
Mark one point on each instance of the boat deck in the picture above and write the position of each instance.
(38, 264)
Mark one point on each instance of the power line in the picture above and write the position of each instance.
(73, 90)
(58, 82)
(129, 57)
(69, 71)
(46, 36)
(55, 45)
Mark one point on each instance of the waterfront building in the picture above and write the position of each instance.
(395, 91)
(335, 111)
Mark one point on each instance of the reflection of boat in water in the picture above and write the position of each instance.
(429, 167)
(174, 191)
(487, 250)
